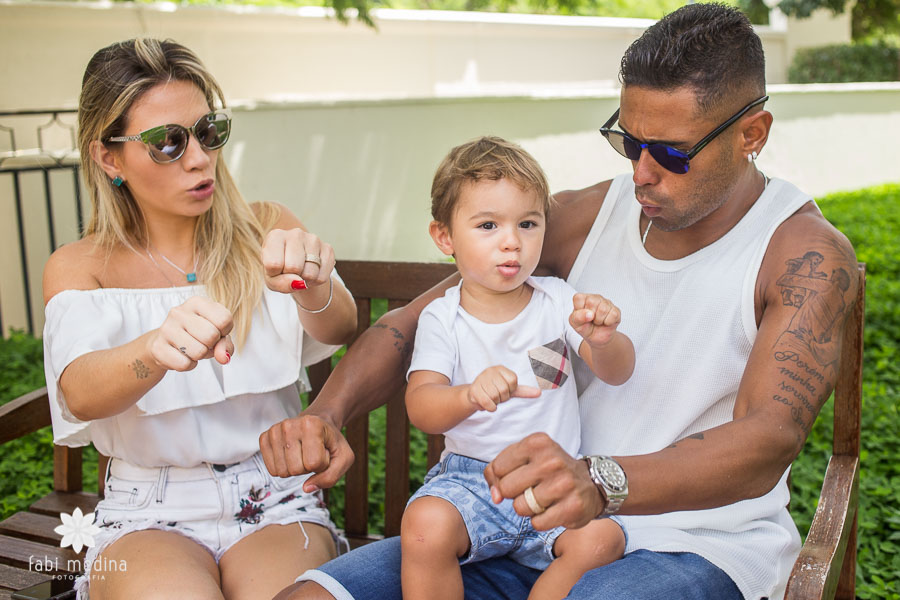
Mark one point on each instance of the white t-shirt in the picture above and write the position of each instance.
(213, 413)
(537, 344)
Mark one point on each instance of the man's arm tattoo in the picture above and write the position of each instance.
(808, 350)
(400, 343)
(693, 436)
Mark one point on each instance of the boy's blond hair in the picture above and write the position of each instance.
(490, 158)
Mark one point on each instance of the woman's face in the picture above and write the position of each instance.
(181, 188)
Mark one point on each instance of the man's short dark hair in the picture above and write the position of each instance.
(711, 48)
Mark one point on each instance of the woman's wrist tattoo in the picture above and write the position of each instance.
(140, 369)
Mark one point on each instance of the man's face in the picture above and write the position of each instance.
(676, 201)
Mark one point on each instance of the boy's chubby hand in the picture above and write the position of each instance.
(595, 318)
(495, 385)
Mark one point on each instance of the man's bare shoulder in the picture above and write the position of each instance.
(73, 266)
(583, 198)
(568, 225)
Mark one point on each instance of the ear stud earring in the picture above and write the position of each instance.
(752, 156)
(118, 181)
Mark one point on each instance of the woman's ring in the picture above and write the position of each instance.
(314, 258)
(183, 350)
(533, 504)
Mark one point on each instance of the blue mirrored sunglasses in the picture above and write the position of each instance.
(669, 158)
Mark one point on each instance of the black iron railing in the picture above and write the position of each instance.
(49, 145)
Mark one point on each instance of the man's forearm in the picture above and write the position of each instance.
(749, 458)
(374, 368)
(372, 371)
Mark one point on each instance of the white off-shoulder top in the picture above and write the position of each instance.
(214, 413)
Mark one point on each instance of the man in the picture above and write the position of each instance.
(735, 291)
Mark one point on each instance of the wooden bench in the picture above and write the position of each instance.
(825, 568)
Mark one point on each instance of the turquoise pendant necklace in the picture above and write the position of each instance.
(191, 277)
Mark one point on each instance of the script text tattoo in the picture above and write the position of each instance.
(807, 351)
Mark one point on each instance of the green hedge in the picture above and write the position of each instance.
(26, 464)
(876, 61)
(868, 217)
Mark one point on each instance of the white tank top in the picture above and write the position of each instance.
(693, 323)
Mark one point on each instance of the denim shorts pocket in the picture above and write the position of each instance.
(438, 469)
(279, 484)
(126, 495)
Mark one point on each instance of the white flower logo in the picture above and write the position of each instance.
(78, 530)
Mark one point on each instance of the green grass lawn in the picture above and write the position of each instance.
(868, 217)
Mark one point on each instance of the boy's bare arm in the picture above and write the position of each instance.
(433, 405)
(614, 362)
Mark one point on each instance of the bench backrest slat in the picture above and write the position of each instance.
(396, 483)
(848, 387)
(847, 414)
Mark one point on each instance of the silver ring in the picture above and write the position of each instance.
(183, 350)
(314, 259)
(532, 502)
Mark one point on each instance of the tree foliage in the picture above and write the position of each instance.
(870, 18)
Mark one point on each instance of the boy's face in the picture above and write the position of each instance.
(496, 234)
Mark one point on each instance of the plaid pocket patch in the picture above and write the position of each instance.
(551, 364)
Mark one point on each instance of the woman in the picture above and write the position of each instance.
(175, 334)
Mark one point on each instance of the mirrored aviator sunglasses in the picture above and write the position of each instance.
(167, 143)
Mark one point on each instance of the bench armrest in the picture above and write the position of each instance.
(818, 568)
(24, 415)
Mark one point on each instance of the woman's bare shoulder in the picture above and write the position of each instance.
(73, 266)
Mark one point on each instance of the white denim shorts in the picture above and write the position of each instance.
(214, 505)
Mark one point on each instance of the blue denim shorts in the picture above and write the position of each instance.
(494, 529)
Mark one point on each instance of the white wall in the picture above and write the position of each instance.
(268, 53)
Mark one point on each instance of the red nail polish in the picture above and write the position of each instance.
(298, 285)
(228, 356)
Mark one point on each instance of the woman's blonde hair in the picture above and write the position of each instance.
(228, 237)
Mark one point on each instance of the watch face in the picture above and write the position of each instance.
(612, 474)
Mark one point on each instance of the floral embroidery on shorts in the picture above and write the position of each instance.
(250, 514)
(255, 495)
